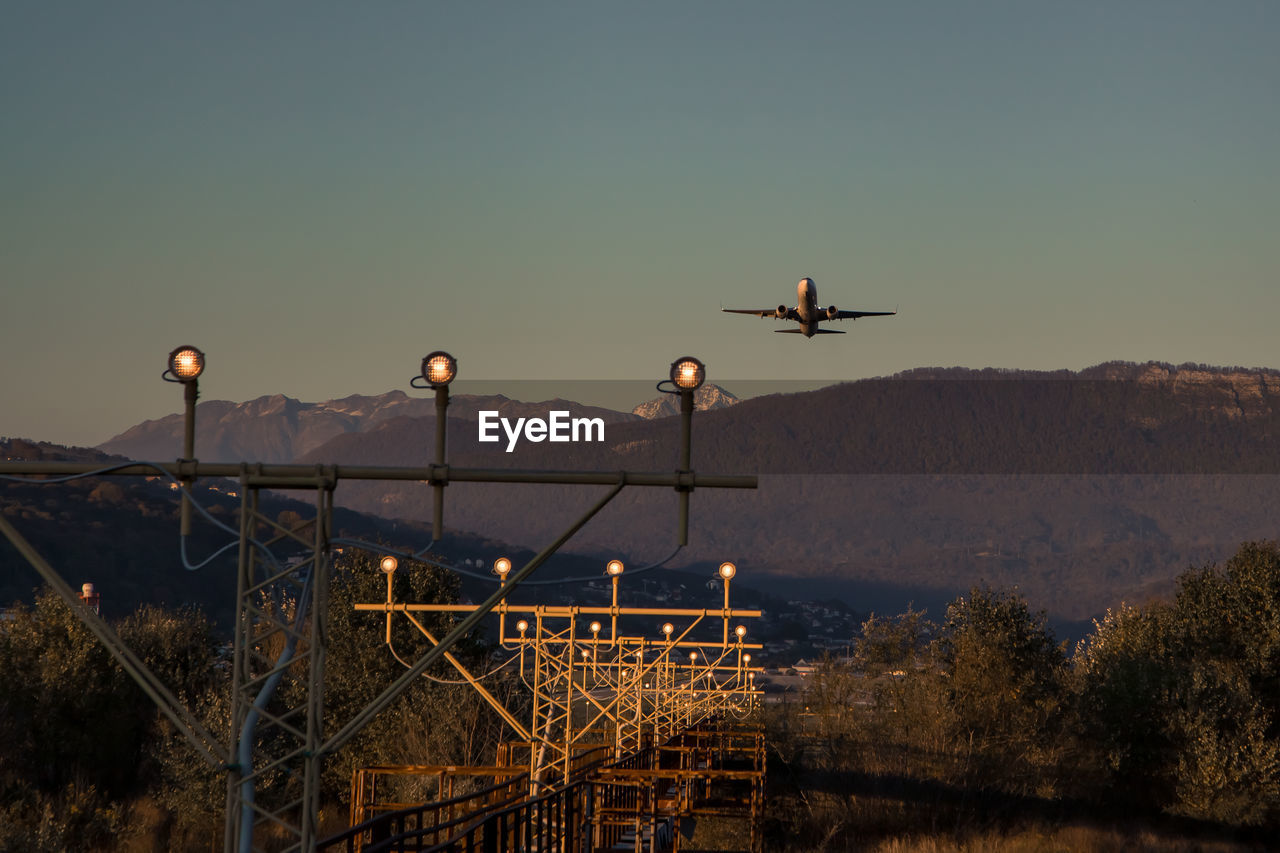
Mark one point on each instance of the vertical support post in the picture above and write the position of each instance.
(536, 748)
(613, 612)
(572, 654)
(391, 579)
(190, 394)
(319, 641)
(686, 431)
(242, 634)
(442, 422)
(725, 612)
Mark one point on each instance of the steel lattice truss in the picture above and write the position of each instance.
(593, 685)
(279, 651)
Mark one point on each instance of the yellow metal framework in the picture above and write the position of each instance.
(593, 684)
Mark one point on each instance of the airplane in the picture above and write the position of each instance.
(808, 313)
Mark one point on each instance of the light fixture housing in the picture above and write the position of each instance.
(388, 564)
(667, 628)
(741, 631)
(439, 369)
(186, 364)
(595, 627)
(501, 566)
(522, 626)
(727, 570)
(688, 373)
(614, 568)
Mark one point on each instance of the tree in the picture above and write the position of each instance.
(1183, 699)
(79, 734)
(1005, 684)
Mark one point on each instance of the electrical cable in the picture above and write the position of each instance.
(401, 661)
(161, 472)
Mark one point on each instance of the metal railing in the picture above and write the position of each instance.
(436, 820)
(437, 825)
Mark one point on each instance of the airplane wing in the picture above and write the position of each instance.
(766, 312)
(853, 315)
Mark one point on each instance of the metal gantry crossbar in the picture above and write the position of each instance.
(271, 752)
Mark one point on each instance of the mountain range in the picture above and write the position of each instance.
(1081, 488)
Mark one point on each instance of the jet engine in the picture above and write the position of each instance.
(832, 312)
(782, 312)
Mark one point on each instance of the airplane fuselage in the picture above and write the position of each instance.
(807, 306)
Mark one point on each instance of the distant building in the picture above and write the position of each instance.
(91, 598)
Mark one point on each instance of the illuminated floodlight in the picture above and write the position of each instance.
(439, 369)
(741, 631)
(747, 659)
(728, 570)
(693, 657)
(595, 627)
(667, 628)
(186, 364)
(388, 564)
(585, 654)
(522, 626)
(614, 568)
(688, 373)
(501, 566)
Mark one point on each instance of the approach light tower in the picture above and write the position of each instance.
(438, 370)
(185, 366)
(687, 374)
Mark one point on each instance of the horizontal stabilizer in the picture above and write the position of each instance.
(788, 331)
(828, 332)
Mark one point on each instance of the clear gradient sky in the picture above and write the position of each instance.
(318, 194)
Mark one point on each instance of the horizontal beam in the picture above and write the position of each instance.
(562, 611)
(437, 769)
(613, 774)
(308, 476)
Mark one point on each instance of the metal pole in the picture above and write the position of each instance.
(686, 430)
(190, 393)
(239, 664)
(319, 642)
(292, 476)
(442, 423)
(726, 611)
